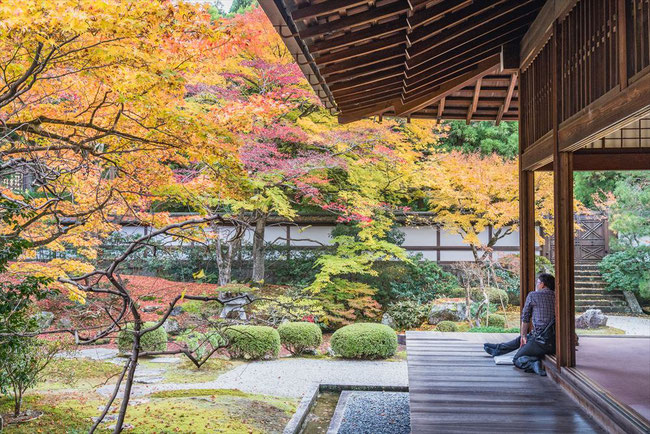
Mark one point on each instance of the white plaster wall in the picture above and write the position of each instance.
(301, 236)
(420, 236)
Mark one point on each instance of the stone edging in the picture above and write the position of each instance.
(308, 400)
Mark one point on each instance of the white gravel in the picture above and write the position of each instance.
(632, 325)
(291, 377)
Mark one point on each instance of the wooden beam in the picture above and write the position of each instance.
(354, 83)
(426, 16)
(424, 82)
(374, 14)
(365, 61)
(498, 18)
(608, 113)
(325, 8)
(540, 29)
(506, 103)
(361, 50)
(608, 159)
(441, 108)
(423, 53)
(488, 66)
(358, 36)
(347, 117)
(474, 104)
(376, 68)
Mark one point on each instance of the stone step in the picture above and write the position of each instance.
(600, 302)
(594, 284)
(594, 295)
(599, 305)
(605, 309)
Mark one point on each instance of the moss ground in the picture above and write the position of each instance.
(68, 407)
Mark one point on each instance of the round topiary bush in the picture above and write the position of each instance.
(495, 320)
(446, 326)
(298, 337)
(155, 340)
(364, 341)
(252, 342)
(495, 295)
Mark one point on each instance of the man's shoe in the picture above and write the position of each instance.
(538, 368)
(490, 345)
(491, 351)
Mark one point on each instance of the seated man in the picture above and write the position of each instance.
(533, 345)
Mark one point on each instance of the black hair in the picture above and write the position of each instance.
(548, 280)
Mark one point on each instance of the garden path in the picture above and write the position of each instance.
(632, 325)
(290, 377)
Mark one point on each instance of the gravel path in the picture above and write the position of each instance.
(633, 325)
(376, 413)
(290, 377)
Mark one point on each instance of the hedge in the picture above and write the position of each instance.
(364, 341)
(252, 342)
(298, 337)
(155, 340)
(446, 326)
(495, 320)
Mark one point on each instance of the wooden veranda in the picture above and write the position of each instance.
(575, 73)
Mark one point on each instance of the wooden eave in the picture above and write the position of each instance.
(437, 59)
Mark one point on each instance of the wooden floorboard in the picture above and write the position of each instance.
(455, 387)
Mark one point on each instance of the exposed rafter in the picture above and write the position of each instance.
(414, 58)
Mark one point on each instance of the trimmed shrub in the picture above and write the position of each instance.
(298, 337)
(407, 314)
(252, 342)
(495, 320)
(446, 326)
(155, 340)
(364, 341)
(495, 295)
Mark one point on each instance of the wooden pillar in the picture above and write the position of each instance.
(564, 259)
(526, 233)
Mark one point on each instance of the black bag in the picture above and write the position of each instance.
(546, 339)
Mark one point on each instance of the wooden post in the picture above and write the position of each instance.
(563, 221)
(564, 259)
(526, 233)
(621, 31)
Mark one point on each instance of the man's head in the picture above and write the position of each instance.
(545, 280)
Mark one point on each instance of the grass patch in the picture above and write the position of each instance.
(197, 392)
(186, 372)
(601, 331)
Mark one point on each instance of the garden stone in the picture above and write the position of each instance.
(124, 427)
(171, 326)
(65, 323)
(44, 319)
(447, 311)
(149, 309)
(177, 310)
(591, 319)
(388, 320)
(148, 380)
(107, 418)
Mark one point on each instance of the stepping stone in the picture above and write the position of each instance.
(165, 360)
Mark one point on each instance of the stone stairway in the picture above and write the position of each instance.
(590, 292)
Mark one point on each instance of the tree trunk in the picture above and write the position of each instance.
(18, 402)
(258, 250)
(135, 353)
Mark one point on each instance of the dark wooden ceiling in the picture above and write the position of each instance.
(444, 59)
